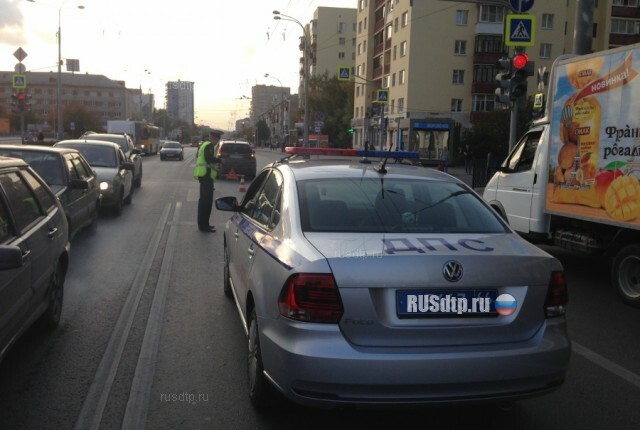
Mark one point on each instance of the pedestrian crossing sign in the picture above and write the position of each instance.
(383, 95)
(520, 30)
(344, 73)
(19, 82)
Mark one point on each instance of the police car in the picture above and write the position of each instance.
(361, 279)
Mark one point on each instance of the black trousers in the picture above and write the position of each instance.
(205, 203)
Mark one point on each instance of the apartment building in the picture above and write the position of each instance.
(438, 60)
(272, 104)
(179, 96)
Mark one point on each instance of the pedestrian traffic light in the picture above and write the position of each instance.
(503, 80)
(521, 69)
(351, 130)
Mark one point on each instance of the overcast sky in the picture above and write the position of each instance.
(224, 46)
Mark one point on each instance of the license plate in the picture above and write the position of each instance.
(235, 156)
(452, 303)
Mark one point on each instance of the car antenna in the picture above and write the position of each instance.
(383, 166)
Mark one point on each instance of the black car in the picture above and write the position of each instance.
(69, 176)
(236, 157)
(34, 252)
(171, 150)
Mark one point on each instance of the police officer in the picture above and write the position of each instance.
(205, 172)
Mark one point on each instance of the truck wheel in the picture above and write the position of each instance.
(625, 274)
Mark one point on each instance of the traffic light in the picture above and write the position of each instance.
(351, 130)
(522, 68)
(503, 80)
(15, 105)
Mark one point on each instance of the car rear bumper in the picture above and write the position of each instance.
(240, 167)
(318, 367)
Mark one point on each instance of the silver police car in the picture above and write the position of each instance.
(377, 282)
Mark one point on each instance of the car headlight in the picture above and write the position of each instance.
(105, 185)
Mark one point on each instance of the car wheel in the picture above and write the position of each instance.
(117, 209)
(625, 274)
(55, 296)
(261, 393)
(227, 275)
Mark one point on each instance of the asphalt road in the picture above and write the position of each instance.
(147, 336)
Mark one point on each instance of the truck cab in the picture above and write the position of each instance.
(517, 190)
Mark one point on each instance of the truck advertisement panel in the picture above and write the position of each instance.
(594, 153)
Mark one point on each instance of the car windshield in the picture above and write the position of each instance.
(98, 156)
(172, 145)
(45, 164)
(120, 140)
(393, 205)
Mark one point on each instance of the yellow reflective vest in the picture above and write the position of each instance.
(202, 165)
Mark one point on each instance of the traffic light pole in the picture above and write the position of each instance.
(513, 125)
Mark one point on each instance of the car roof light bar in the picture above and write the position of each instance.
(297, 150)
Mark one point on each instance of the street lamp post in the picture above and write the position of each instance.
(305, 132)
(280, 106)
(59, 113)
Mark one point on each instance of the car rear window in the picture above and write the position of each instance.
(236, 148)
(121, 141)
(393, 205)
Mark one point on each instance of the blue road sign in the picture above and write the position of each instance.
(344, 73)
(383, 95)
(520, 30)
(521, 6)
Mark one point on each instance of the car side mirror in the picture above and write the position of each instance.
(10, 257)
(127, 165)
(227, 204)
(78, 184)
(136, 151)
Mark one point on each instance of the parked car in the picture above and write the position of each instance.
(366, 283)
(172, 150)
(34, 252)
(69, 176)
(238, 156)
(113, 169)
(130, 151)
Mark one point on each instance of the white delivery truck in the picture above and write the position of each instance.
(573, 179)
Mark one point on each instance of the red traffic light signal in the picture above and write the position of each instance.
(520, 61)
(21, 96)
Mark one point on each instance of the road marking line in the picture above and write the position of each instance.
(93, 406)
(607, 364)
(135, 416)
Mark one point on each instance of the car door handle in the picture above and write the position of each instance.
(236, 235)
(25, 255)
(52, 232)
(251, 251)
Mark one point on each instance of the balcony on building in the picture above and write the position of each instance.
(623, 39)
(625, 12)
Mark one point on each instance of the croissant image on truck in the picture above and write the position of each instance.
(573, 179)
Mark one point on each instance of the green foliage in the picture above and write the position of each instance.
(262, 131)
(334, 98)
(82, 118)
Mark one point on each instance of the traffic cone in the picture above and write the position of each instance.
(243, 188)
(232, 175)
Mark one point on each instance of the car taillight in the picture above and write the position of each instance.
(253, 154)
(311, 298)
(556, 301)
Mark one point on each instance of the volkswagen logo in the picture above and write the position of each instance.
(452, 271)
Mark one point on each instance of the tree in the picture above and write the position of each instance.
(334, 98)
(83, 120)
(262, 131)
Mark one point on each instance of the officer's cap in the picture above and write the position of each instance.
(215, 132)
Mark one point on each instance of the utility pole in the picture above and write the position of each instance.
(583, 32)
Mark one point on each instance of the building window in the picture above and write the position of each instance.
(402, 77)
(456, 105)
(631, 3)
(360, 27)
(547, 21)
(395, 53)
(342, 41)
(625, 26)
(460, 47)
(401, 105)
(545, 50)
(405, 19)
(462, 17)
(458, 76)
(484, 103)
(403, 48)
(395, 25)
(393, 79)
(341, 27)
(491, 13)
(341, 55)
